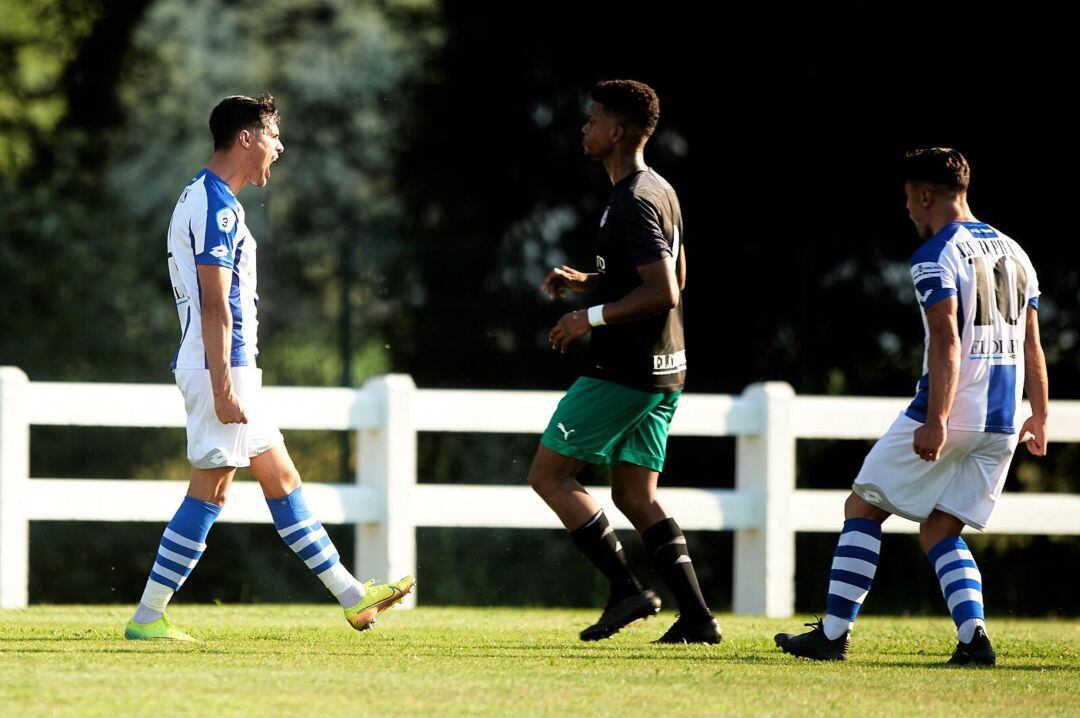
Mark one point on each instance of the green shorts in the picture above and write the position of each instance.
(605, 423)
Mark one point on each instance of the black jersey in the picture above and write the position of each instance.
(642, 224)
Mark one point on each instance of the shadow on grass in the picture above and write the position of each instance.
(613, 654)
(31, 639)
(117, 649)
(1000, 667)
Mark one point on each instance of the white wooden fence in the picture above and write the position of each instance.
(386, 503)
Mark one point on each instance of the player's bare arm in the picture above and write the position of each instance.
(215, 283)
(682, 268)
(1037, 386)
(658, 292)
(563, 278)
(943, 360)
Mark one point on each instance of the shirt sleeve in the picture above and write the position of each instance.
(934, 281)
(644, 232)
(215, 234)
(1032, 290)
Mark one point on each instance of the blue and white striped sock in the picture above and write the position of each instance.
(182, 545)
(854, 563)
(308, 539)
(961, 584)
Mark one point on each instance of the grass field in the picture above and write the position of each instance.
(304, 661)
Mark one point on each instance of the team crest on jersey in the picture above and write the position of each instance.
(604, 218)
(226, 219)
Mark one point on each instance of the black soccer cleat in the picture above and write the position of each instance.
(705, 630)
(621, 612)
(976, 652)
(815, 644)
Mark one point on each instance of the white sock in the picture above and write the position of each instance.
(152, 604)
(836, 627)
(966, 631)
(342, 585)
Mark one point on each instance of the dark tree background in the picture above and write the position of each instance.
(781, 128)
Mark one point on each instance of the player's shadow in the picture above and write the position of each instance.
(943, 666)
(57, 639)
(115, 650)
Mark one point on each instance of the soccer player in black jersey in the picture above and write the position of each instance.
(619, 412)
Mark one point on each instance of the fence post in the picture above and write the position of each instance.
(14, 473)
(765, 464)
(387, 462)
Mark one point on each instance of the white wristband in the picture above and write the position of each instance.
(596, 315)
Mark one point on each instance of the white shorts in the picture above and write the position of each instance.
(211, 444)
(965, 481)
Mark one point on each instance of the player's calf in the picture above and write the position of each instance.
(666, 546)
(854, 564)
(182, 544)
(309, 541)
(961, 585)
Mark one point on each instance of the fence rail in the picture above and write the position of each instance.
(386, 503)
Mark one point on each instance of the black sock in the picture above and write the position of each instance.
(666, 546)
(597, 540)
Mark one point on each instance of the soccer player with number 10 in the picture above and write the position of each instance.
(944, 460)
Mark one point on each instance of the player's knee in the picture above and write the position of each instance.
(289, 479)
(546, 477)
(218, 496)
(930, 535)
(857, 507)
(938, 527)
(280, 483)
(626, 499)
(538, 481)
(542, 482)
(635, 502)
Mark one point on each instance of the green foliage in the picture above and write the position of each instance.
(304, 660)
(37, 41)
(336, 69)
(82, 245)
(84, 286)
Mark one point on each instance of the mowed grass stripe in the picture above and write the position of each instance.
(305, 661)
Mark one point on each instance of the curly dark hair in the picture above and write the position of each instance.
(633, 102)
(941, 166)
(240, 112)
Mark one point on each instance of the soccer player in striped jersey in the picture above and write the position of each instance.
(212, 268)
(944, 460)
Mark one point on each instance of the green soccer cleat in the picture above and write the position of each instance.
(159, 630)
(378, 597)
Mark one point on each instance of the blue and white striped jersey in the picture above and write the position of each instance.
(208, 227)
(994, 283)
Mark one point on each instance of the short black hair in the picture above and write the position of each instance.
(941, 166)
(634, 102)
(240, 112)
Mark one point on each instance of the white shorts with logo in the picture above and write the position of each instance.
(211, 444)
(965, 481)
